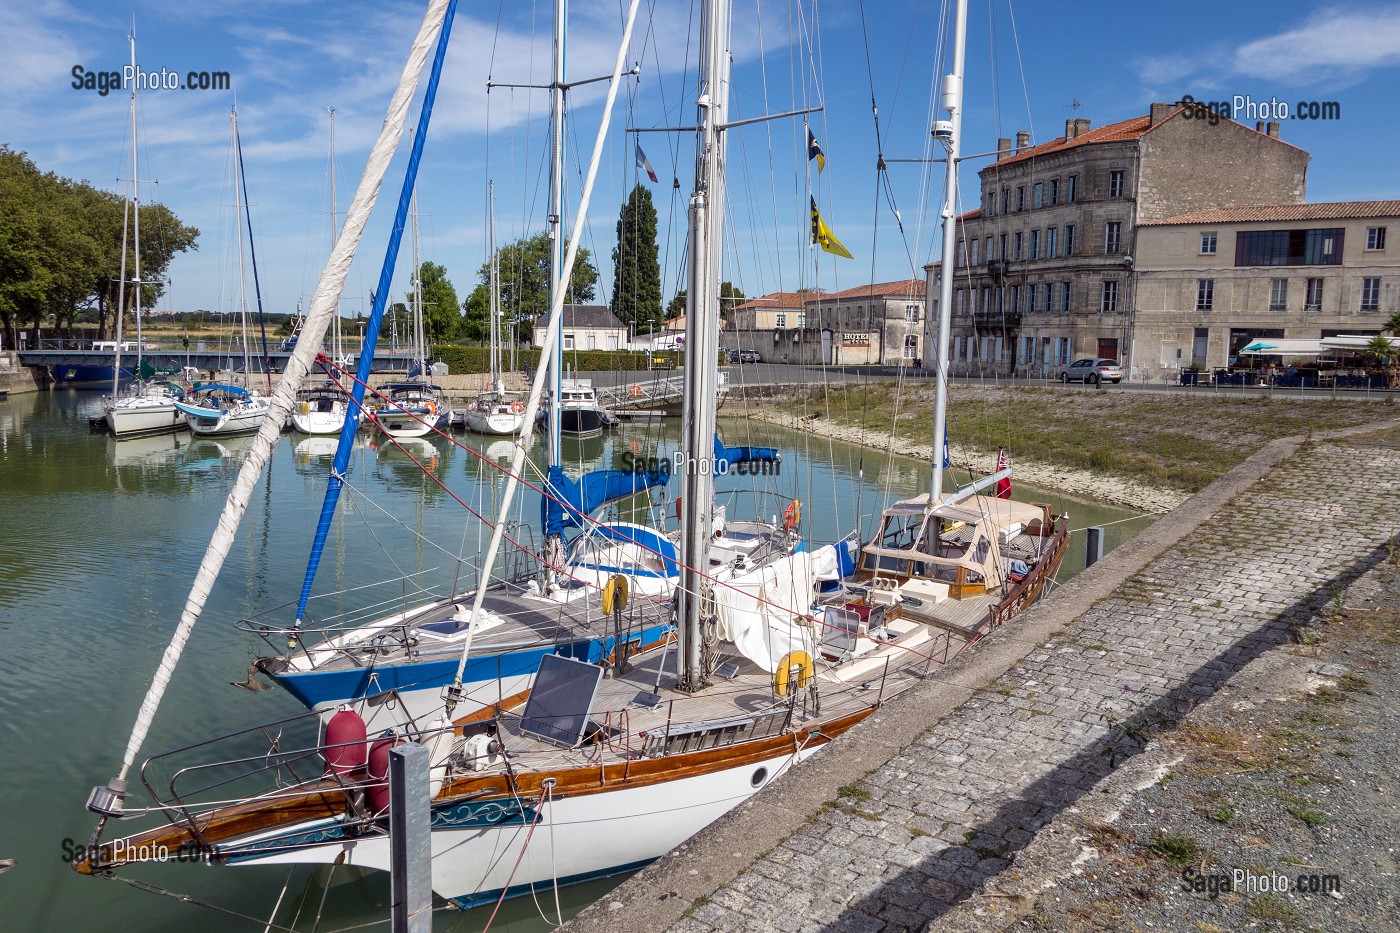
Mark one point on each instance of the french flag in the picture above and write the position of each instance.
(644, 164)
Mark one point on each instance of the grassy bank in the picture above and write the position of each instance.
(1176, 441)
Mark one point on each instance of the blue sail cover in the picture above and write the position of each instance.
(581, 497)
(733, 455)
(376, 319)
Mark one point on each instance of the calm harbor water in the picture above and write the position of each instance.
(99, 541)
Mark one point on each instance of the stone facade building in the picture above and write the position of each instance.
(881, 323)
(1045, 264)
(1209, 282)
(588, 327)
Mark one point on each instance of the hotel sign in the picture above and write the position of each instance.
(855, 340)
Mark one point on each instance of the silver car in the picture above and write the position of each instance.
(1091, 370)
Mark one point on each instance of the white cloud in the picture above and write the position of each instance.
(1332, 43)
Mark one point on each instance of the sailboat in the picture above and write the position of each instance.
(621, 769)
(321, 409)
(413, 407)
(224, 408)
(495, 411)
(146, 407)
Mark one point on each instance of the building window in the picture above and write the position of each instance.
(1049, 297)
(1035, 244)
(1069, 237)
(1003, 247)
(1016, 247)
(1027, 350)
(987, 300)
(1072, 192)
(975, 255)
(1112, 236)
(1032, 292)
(568, 341)
(802, 320)
(1278, 295)
(1038, 199)
(1370, 294)
(1313, 300)
(1050, 243)
(999, 293)
(1108, 301)
(1205, 294)
(989, 249)
(1375, 238)
(1064, 297)
(1054, 191)
(958, 302)
(781, 320)
(911, 347)
(991, 203)
(1006, 200)
(911, 315)
(1208, 244)
(1015, 299)
(612, 341)
(1289, 247)
(1115, 184)
(1020, 197)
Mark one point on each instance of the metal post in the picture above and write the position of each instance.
(1093, 545)
(410, 846)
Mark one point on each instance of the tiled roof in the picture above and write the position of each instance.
(1113, 132)
(1336, 210)
(775, 301)
(913, 288)
(971, 215)
(589, 316)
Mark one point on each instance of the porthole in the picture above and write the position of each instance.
(759, 777)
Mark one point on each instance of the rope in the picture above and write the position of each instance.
(539, 813)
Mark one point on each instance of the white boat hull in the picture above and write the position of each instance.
(131, 416)
(245, 419)
(318, 422)
(576, 837)
(494, 423)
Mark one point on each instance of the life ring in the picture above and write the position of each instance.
(615, 594)
(792, 515)
(634, 390)
(432, 408)
(782, 677)
(517, 407)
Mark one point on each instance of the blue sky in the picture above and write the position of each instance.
(289, 61)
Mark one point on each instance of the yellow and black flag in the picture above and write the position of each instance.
(814, 151)
(821, 235)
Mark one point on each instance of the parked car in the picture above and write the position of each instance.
(750, 356)
(1091, 370)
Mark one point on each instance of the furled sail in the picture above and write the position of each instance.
(571, 502)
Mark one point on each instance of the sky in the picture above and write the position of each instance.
(1030, 67)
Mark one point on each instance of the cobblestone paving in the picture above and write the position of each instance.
(921, 833)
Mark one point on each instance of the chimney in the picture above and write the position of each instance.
(1272, 129)
(1259, 127)
(1003, 148)
(1081, 126)
(1023, 140)
(1069, 129)
(1160, 112)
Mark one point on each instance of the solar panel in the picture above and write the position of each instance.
(560, 699)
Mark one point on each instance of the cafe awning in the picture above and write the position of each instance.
(1280, 347)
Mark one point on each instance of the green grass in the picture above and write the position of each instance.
(1179, 850)
(1173, 441)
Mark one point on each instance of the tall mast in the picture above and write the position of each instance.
(136, 220)
(556, 210)
(702, 342)
(950, 133)
(337, 349)
(419, 344)
(126, 216)
(495, 303)
(238, 206)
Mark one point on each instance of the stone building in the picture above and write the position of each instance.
(1210, 282)
(1045, 264)
(588, 327)
(880, 323)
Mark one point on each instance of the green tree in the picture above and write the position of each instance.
(476, 320)
(524, 280)
(729, 296)
(442, 317)
(636, 295)
(1393, 325)
(677, 306)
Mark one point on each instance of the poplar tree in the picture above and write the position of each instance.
(636, 296)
